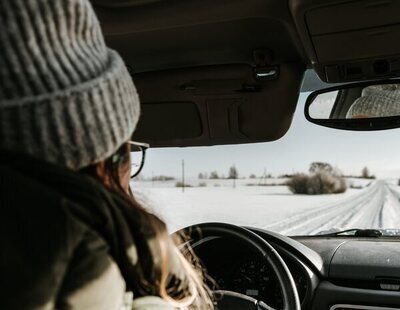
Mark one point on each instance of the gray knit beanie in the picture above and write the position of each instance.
(377, 101)
(64, 96)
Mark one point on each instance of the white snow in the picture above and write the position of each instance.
(270, 207)
(321, 107)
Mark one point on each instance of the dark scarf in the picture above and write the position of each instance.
(111, 216)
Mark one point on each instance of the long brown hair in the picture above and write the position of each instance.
(198, 295)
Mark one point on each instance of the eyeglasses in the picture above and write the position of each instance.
(138, 155)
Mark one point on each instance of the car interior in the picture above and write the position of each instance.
(219, 72)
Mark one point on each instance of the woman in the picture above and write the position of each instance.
(376, 101)
(71, 234)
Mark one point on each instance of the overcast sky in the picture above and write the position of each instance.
(304, 143)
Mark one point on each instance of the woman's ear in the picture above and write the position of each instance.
(101, 172)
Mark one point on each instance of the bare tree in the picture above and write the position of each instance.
(365, 173)
(320, 166)
(233, 173)
(214, 175)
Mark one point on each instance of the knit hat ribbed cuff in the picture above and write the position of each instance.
(77, 126)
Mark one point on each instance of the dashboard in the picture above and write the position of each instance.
(254, 278)
(329, 272)
(236, 268)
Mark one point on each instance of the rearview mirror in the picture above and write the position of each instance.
(358, 106)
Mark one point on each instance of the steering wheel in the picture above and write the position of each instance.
(232, 300)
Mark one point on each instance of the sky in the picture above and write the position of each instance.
(303, 144)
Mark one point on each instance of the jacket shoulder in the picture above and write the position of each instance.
(39, 239)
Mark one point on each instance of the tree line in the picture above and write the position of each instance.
(213, 175)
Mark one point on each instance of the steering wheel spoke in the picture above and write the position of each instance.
(232, 300)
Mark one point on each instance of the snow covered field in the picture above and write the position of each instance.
(375, 205)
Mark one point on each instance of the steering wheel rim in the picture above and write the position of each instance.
(289, 292)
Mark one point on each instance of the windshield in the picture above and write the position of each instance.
(313, 180)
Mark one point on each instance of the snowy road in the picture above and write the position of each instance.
(378, 206)
(275, 208)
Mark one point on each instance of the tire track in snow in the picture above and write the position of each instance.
(305, 222)
(377, 206)
(393, 207)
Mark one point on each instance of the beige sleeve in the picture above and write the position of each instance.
(151, 303)
(105, 292)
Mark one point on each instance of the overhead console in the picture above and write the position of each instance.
(350, 40)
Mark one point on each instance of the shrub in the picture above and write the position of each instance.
(298, 184)
(321, 182)
(180, 184)
(202, 184)
(286, 176)
(162, 178)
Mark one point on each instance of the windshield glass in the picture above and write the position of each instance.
(313, 180)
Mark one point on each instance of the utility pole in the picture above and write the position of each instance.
(263, 179)
(183, 176)
(234, 176)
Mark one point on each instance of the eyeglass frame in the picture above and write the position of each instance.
(143, 147)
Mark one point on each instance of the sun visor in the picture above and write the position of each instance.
(216, 105)
(166, 121)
